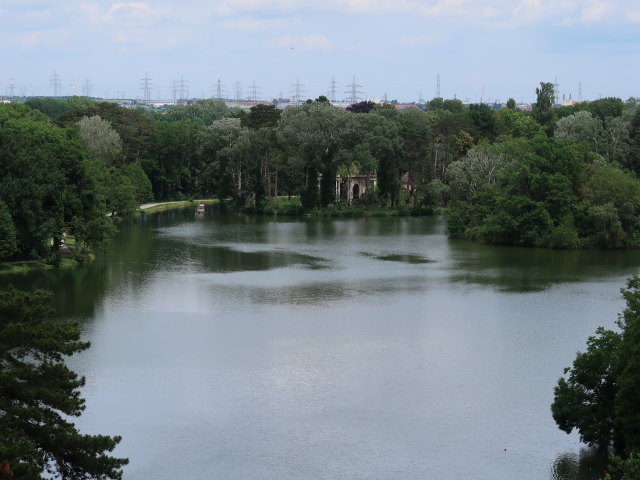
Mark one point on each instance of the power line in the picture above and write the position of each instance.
(438, 86)
(183, 91)
(254, 92)
(86, 88)
(146, 85)
(238, 90)
(174, 91)
(11, 87)
(298, 92)
(219, 95)
(332, 90)
(353, 92)
(580, 91)
(56, 84)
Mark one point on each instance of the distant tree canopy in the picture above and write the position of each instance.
(361, 107)
(552, 170)
(100, 139)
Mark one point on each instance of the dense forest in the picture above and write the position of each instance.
(560, 177)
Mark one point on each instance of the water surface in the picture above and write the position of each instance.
(236, 347)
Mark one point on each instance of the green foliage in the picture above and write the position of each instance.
(624, 468)
(626, 409)
(320, 134)
(262, 116)
(361, 107)
(541, 110)
(139, 181)
(543, 192)
(54, 108)
(121, 193)
(585, 400)
(225, 148)
(41, 182)
(177, 160)
(38, 394)
(565, 235)
(7, 233)
(522, 188)
(516, 124)
(453, 105)
(614, 196)
(205, 112)
(599, 398)
(581, 127)
(435, 104)
(483, 119)
(100, 139)
(133, 126)
(604, 108)
(416, 135)
(518, 220)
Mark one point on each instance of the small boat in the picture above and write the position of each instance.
(200, 209)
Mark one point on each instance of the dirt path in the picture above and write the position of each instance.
(151, 205)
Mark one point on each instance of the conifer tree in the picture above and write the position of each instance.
(38, 394)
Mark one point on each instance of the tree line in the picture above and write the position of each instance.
(553, 177)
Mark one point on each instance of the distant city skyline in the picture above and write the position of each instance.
(494, 49)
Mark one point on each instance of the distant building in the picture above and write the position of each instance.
(406, 106)
(248, 105)
(353, 187)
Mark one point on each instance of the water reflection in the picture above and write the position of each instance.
(399, 257)
(513, 269)
(587, 464)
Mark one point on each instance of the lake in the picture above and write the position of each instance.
(242, 347)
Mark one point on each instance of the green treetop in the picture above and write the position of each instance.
(38, 394)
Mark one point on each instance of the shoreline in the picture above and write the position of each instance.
(24, 266)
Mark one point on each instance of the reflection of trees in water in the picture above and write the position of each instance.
(77, 290)
(533, 269)
(587, 464)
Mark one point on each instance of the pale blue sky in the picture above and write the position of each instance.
(392, 46)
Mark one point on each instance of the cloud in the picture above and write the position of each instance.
(255, 25)
(125, 14)
(595, 12)
(420, 40)
(311, 42)
(374, 6)
(37, 39)
(444, 8)
(633, 16)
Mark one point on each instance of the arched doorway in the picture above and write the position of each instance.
(356, 191)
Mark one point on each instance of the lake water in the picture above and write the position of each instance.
(237, 347)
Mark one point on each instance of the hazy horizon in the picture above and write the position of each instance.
(490, 49)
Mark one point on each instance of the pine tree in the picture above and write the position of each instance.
(38, 393)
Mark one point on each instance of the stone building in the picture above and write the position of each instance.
(354, 186)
